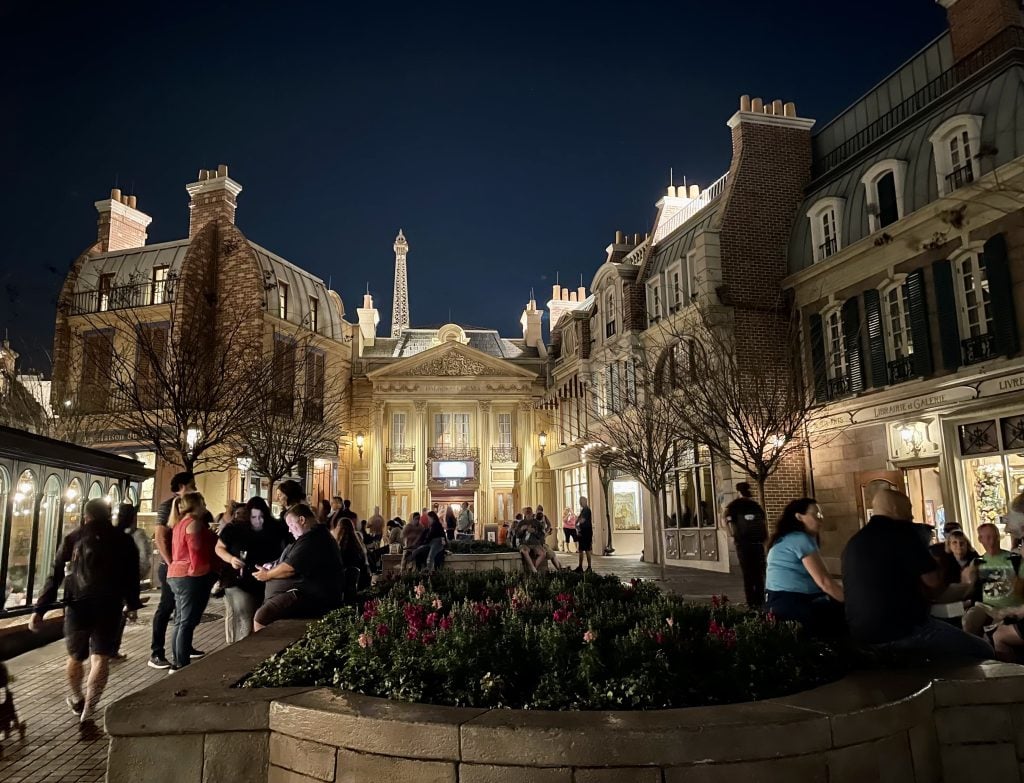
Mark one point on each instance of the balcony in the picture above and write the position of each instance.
(978, 349)
(827, 248)
(123, 297)
(838, 387)
(401, 454)
(504, 454)
(902, 369)
(453, 453)
(959, 177)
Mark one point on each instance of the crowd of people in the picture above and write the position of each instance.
(900, 593)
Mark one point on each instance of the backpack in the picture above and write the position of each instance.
(93, 567)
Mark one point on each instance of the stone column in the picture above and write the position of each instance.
(420, 425)
(484, 511)
(527, 454)
(376, 494)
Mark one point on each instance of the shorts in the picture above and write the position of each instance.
(92, 626)
(586, 543)
(570, 534)
(287, 606)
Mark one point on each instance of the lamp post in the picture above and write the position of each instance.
(542, 441)
(244, 463)
(360, 440)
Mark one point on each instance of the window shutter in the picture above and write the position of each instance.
(1000, 286)
(946, 308)
(876, 338)
(817, 337)
(918, 317)
(851, 342)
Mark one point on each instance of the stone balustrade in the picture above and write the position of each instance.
(905, 726)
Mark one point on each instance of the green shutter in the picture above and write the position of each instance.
(947, 309)
(1000, 287)
(918, 317)
(817, 337)
(876, 339)
(851, 342)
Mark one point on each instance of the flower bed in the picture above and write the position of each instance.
(565, 642)
(477, 547)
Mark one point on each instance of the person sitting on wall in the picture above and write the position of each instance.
(998, 582)
(888, 577)
(429, 555)
(530, 535)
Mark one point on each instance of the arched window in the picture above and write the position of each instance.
(5, 491)
(955, 144)
(883, 187)
(48, 533)
(826, 218)
(114, 499)
(95, 490)
(23, 511)
(73, 502)
(132, 496)
(609, 314)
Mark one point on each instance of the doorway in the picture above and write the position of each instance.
(869, 483)
(925, 491)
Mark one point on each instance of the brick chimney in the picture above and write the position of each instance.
(213, 197)
(974, 22)
(120, 225)
(562, 301)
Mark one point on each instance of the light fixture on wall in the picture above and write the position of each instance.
(192, 436)
(360, 440)
(912, 438)
(244, 463)
(542, 440)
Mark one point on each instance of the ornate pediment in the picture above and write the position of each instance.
(452, 360)
(451, 364)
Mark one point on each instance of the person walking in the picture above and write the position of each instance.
(190, 571)
(464, 524)
(180, 484)
(99, 567)
(585, 533)
(128, 523)
(748, 525)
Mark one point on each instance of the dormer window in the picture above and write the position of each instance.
(654, 304)
(826, 218)
(883, 190)
(675, 293)
(609, 315)
(955, 144)
(282, 300)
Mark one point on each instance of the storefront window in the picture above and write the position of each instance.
(986, 488)
(73, 502)
(626, 504)
(145, 502)
(993, 469)
(48, 532)
(5, 488)
(574, 486)
(22, 516)
(95, 490)
(689, 491)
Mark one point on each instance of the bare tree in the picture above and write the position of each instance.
(635, 430)
(299, 412)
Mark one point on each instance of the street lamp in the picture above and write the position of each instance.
(192, 436)
(542, 439)
(360, 440)
(244, 463)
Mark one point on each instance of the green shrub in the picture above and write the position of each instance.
(477, 547)
(567, 641)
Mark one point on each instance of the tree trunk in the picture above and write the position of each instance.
(659, 539)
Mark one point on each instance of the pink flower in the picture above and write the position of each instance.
(564, 598)
(432, 620)
(428, 637)
(412, 635)
(437, 603)
(561, 615)
(369, 611)
(589, 636)
(365, 640)
(770, 618)
(382, 630)
(670, 622)
(446, 623)
(420, 591)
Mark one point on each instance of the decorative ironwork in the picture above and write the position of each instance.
(504, 454)
(981, 437)
(124, 297)
(401, 454)
(1013, 432)
(959, 177)
(901, 369)
(453, 453)
(838, 387)
(827, 248)
(978, 349)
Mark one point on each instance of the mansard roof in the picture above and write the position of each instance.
(417, 340)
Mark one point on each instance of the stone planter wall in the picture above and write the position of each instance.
(905, 727)
(502, 561)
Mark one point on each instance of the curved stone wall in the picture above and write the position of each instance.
(502, 561)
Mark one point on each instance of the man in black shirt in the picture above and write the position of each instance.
(888, 575)
(746, 521)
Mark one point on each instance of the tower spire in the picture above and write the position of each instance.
(400, 302)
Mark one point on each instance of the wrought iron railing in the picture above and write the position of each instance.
(123, 297)
(978, 349)
(401, 454)
(827, 248)
(709, 194)
(504, 454)
(1009, 39)
(902, 369)
(453, 453)
(838, 387)
(959, 177)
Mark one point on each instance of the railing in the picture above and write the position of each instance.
(453, 453)
(1011, 38)
(978, 349)
(959, 177)
(401, 454)
(902, 369)
(637, 254)
(709, 194)
(827, 248)
(123, 297)
(838, 387)
(504, 454)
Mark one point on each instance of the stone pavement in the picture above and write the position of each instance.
(691, 583)
(55, 750)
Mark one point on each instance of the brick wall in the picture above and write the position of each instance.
(973, 22)
(634, 306)
(115, 232)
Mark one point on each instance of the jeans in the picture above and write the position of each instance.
(941, 640)
(163, 613)
(816, 612)
(191, 594)
(752, 564)
(239, 608)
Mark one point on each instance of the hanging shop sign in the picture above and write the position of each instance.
(1008, 383)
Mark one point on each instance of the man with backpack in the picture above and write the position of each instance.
(99, 567)
(748, 525)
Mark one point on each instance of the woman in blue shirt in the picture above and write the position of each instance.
(799, 586)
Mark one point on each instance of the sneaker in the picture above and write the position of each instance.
(87, 713)
(159, 662)
(77, 705)
(196, 654)
(118, 658)
(578, 570)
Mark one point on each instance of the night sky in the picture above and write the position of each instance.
(509, 141)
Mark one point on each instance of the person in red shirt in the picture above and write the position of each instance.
(190, 572)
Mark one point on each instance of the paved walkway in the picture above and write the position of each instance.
(55, 749)
(691, 583)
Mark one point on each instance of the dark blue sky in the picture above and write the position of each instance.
(508, 140)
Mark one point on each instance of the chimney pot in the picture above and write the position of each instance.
(572, 296)
(670, 191)
(222, 170)
(777, 107)
(790, 109)
(744, 103)
(757, 106)
(618, 238)
(133, 202)
(115, 194)
(124, 200)
(556, 292)
(694, 191)
(581, 293)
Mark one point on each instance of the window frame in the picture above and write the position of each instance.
(818, 210)
(158, 285)
(834, 370)
(397, 434)
(504, 434)
(690, 276)
(675, 292)
(955, 126)
(896, 283)
(655, 304)
(870, 182)
(282, 300)
(610, 327)
(975, 253)
(314, 313)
